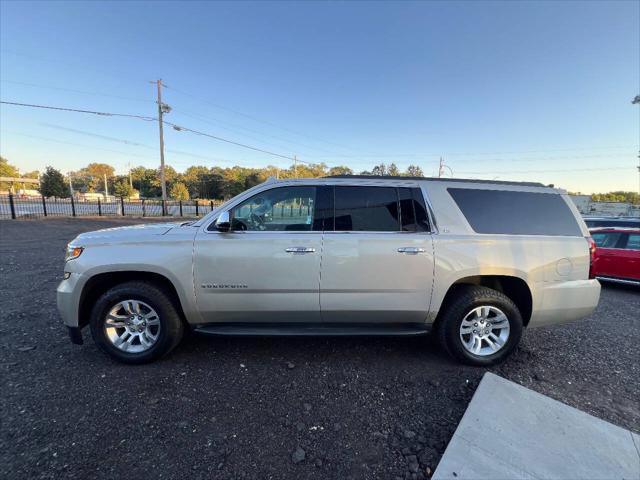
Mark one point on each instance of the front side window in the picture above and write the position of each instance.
(606, 239)
(366, 209)
(279, 209)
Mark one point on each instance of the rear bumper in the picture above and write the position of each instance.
(565, 301)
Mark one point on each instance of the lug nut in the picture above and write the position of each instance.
(475, 324)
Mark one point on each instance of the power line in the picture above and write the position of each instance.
(215, 137)
(216, 122)
(146, 118)
(256, 119)
(37, 137)
(83, 92)
(104, 114)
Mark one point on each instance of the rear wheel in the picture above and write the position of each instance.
(480, 326)
(135, 322)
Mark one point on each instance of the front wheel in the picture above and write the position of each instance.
(135, 322)
(480, 326)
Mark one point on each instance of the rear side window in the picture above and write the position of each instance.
(361, 209)
(515, 213)
(633, 243)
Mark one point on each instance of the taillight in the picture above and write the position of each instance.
(592, 256)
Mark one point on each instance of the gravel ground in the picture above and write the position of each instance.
(264, 407)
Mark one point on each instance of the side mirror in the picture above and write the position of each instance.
(223, 223)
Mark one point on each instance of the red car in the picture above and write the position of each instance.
(617, 254)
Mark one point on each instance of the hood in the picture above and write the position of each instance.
(124, 234)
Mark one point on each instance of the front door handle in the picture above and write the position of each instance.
(411, 250)
(300, 250)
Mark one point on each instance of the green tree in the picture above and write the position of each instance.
(52, 184)
(379, 170)
(7, 170)
(179, 191)
(414, 171)
(122, 187)
(340, 170)
(393, 170)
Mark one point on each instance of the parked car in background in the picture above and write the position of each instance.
(476, 261)
(617, 257)
(595, 222)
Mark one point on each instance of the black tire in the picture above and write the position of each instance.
(171, 327)
(465, 299)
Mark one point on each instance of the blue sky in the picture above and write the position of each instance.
(515, 90)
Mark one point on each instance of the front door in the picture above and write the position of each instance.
(267, 268)
(377, 264)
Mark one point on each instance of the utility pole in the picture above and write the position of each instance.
(636, 101)
(106, 189)
(295, 166)
(161, 110)
(130, 180)
(70, 185)
(441, 168)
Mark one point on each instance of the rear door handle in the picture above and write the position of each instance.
(411, 250)
(300, 250)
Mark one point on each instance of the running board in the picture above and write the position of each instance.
(312, 329)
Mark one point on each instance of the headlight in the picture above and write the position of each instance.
(73, 252)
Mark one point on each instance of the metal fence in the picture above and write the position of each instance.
(12, 206)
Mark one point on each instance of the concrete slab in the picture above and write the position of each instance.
(509, 432)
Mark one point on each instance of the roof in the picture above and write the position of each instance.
(437, 179)
(615, 229)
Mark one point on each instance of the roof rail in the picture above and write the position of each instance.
(438, 179)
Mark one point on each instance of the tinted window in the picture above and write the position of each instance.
(362, 209)
(519, 213)
(413, 212)
(633, 243)
(278, 209)
(422, 219)
(407, 210)
(611, 223)
(606, 239)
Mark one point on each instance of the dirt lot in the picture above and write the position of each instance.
(253, 408)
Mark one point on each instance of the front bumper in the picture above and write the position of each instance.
(68, 299)
(563, 302)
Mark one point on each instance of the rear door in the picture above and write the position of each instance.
(377, 261)
(629, 261)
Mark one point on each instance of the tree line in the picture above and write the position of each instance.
(202, 182)
(195, 182)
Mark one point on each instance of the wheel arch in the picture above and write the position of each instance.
(513, 287)
(101, 282)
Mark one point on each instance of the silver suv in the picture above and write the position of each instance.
(474, 261)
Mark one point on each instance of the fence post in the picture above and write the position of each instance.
(122, 205)
(73, 207)
(164, 208)
(44, 206)
(12, 206)
(99, 208)
(144, 212)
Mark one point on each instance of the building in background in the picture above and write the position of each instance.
(607, 209)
